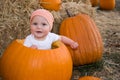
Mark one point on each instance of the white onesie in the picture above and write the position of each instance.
(45, 44)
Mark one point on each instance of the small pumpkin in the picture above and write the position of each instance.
(82, 29)
(89, 78)
(51, 4)
(94, 2)
(22, 63)
(107, 4)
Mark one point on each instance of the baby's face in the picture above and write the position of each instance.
(39, 27)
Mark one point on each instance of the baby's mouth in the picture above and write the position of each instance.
(38, 31)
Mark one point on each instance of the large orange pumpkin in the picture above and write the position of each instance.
(82, 29)
(94, 2)
(51, 4)
(21, 63)
(107, 4)
(89, 78)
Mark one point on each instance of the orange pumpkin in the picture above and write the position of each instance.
(94, 2)
(22, 63)
(107, 4)
(89, 78)
(82, 29)
(0, 66)
(51, 4)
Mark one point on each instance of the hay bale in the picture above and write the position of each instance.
(73, 8)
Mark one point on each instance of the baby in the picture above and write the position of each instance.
(41, 23)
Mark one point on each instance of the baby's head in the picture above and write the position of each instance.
(44, 13)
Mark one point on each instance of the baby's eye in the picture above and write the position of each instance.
(35, 23)
(44, 24)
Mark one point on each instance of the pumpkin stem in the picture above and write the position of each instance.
(68, 13)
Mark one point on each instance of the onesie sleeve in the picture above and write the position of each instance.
(54, 37)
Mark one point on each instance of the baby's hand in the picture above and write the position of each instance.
(74, 45)
(33, 47)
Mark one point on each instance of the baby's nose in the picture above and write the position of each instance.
(39, 26)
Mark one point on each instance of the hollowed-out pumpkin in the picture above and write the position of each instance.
(107, 4)
(89, 78)
(51, 4)
(21, 63)
(82, 29)
(94, 2)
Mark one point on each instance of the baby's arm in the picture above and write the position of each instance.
(69, 41)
